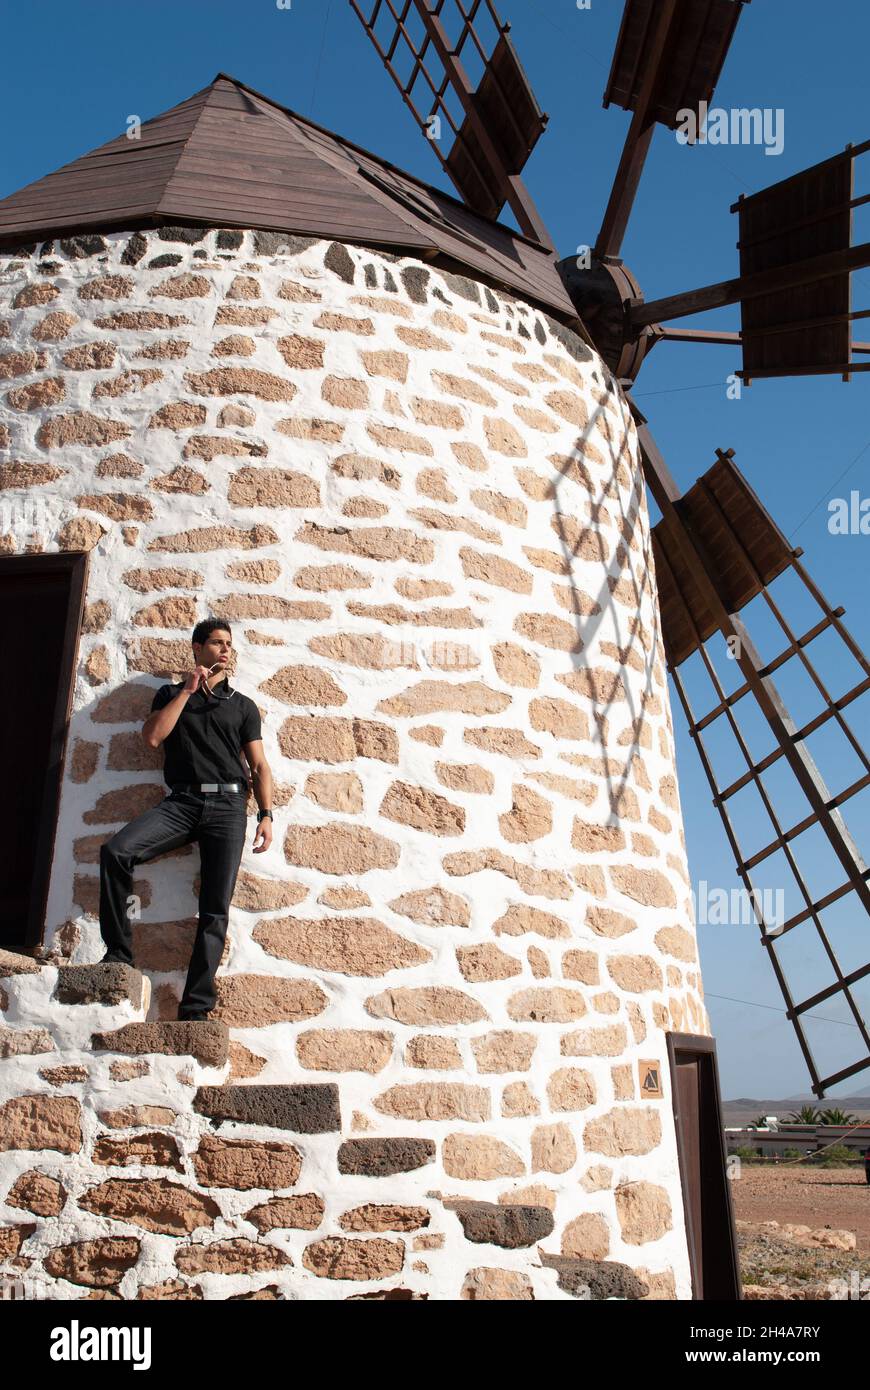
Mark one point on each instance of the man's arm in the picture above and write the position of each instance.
(261, 776)
(159, 725)
(261, 773)
(161, 721)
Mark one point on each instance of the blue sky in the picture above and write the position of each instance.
(83, 68)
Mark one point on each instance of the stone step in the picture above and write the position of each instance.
(14, 963)
(208, 1041)
(103, 983)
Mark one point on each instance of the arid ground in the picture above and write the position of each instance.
(802, 1196)
(794, 1264)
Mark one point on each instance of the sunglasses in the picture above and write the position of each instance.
(214, 693)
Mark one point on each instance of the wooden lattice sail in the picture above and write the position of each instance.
(489, 129)
(717, 550)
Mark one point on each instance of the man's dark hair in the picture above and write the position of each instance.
(206, 627)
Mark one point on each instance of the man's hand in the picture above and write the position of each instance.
(263, 835)
(197, 677)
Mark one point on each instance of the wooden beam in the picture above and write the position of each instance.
(822, 369)
(637, 143)
(820, 321)
(659, 478)
(678, 306)
(790, 228)
(850, 152)
(624, 190)
(725, 339)
(701, 335)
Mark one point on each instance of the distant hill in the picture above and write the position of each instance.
(745, 1109)
(863, 1096)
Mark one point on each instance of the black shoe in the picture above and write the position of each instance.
(110, 959)
(200, 1017)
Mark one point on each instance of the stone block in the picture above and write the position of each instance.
(305, 1109)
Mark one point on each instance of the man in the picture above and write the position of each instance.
(203, 725)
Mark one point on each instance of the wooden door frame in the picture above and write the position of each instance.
(703, 1048)
(75, 564)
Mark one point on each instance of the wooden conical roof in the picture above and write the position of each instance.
(230, 157)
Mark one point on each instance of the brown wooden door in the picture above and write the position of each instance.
(40, 610)
(710, 1231)
(687, 1094)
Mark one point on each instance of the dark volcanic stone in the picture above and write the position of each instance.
(168, 258)
(306, 1109)
(489, 1223)
(402, 1294)
(77, 247)
(228, 240)
(190, 235)
(371, 276)
(339, 260)
(378, 1158)
(272, 243)
(595, 1279)
(415, 278)
(523, 331)
(540, 332)
(465, 288)
(135, 249)
(98, 984)
(491, 301)
(570, 340)
(390, 282)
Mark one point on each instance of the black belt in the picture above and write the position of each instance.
(201, 787)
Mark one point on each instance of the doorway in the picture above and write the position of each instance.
(710, 1230)
(41, 599)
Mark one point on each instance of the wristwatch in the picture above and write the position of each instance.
(261, 814)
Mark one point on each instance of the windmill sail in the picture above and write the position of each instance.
(668, 58)
(428, 47)
(794, 287)
(718, 551)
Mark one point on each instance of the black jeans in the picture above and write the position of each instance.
(218, 822)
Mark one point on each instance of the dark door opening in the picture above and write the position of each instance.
(710, 1227)
(41, 600)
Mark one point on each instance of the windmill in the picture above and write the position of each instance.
(716, 548)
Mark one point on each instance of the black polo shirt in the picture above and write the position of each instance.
(206, 743)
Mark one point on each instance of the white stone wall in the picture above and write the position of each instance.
(420, 507)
